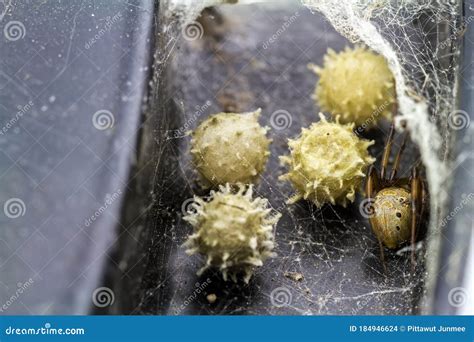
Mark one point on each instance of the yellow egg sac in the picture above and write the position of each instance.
(327, 163)
(230, 148)
(355, 84)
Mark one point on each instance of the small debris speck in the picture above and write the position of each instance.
(211, 298)
(294, 276)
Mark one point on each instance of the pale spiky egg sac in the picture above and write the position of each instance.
(232, 230)
(327, 163)
(356, 84)
(230, 148)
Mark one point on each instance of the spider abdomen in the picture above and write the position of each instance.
(392, 216)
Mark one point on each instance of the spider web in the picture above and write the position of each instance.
(333, 249)
(421, 42)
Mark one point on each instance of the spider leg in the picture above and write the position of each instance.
(424, 205)
(416, 207)
(386, 151)
(371, 186)
(396, 164)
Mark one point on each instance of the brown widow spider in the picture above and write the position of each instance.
(396, 204)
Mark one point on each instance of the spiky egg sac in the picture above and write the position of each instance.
(355, 84)
(232, 230)
(327, 163)
(230, 148)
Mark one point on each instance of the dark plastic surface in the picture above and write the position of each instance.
(458, 231)
(71, 59)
